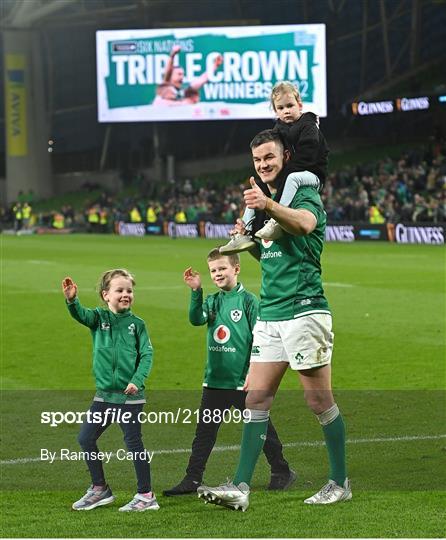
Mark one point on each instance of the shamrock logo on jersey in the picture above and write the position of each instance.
(222, 334)
(236, 314)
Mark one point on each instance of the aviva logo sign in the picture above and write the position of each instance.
(15, 105)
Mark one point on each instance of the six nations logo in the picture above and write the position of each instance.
(222, 334)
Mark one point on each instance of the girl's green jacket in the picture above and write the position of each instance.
(122, 351)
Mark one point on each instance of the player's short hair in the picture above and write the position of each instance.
(266, 136)
(215, 254)
(284, 87)
(106, 277)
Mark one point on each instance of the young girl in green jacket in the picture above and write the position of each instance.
(122, 358)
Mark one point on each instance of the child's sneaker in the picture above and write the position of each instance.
(270, 231)
(94, 498)
(141, 503)
(239, 242)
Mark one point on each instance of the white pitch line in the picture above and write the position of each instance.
(404, 438)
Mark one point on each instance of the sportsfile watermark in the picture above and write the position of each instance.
(381, 424)
(114, 415)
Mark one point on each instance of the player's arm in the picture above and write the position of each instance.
(200, 81)
(299, 222)
(295, 221)
(87, 317)
(169, 68)
(145, 353)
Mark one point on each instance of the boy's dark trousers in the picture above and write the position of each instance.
(90, 433)
(219, 400)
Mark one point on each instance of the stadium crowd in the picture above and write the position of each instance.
(409, 189)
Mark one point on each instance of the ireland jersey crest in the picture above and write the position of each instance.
(236, 314)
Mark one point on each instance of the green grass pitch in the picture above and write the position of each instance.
(388, 303)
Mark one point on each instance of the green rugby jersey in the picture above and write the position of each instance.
(230, 317)
(291, 267)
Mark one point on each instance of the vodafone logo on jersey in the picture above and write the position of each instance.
(266, 255)
(222, 334)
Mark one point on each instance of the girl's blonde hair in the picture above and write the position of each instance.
(284, 87)
(106, 277)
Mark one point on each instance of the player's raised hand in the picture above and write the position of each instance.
(254, 197)
(175, 50)
(69, 288)
(192, 278)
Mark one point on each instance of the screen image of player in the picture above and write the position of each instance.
(224, 73)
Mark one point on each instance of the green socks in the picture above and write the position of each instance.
(253, 439)
(254, 435)
(334, 432)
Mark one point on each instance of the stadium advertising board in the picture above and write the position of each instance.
(131, 229)
(15, 105)
(340, 233)
(215, 230)
(222, 73)
(400, 104)
(426, 233)
(181, 230)
(421, 233)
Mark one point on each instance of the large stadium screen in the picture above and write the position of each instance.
(207, 73)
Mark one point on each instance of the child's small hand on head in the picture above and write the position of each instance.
(192, 278)
(131, 389)
(69, 288)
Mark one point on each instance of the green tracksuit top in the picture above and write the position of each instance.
(122, 351)
(230, 317)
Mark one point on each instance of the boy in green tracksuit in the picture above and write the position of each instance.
(230, 315)
(122, 359)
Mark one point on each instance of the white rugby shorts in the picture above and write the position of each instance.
(305, 342)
